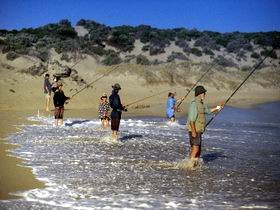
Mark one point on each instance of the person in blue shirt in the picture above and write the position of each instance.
(171, 106)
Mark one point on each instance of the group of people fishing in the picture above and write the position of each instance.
(104, 108)
(198, 109)
(196, 115)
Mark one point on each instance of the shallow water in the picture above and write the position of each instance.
(85, 169)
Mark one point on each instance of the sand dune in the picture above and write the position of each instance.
(23, 91)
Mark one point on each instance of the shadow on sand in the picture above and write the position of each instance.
(76, 122)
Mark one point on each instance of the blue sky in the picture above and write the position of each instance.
(213, 15)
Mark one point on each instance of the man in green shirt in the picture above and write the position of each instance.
(197, 120)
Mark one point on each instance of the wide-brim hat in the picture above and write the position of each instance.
(199, 90)
(116, 86)
(104, 96)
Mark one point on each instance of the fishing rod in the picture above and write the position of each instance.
(254, 69)
(76, 63)
(189, 90)
(88, 85)
(134, 102)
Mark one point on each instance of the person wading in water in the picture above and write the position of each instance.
(116, 105)
(59, 99)
(171, 106)
(197, 120)
(104, 111)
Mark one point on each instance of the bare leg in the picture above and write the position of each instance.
(190, 152)
(102, 123)
(48, 103)
(61, 121)
(56, 122)
(115, 135)
(106, 123)
(199, 152)
(194, 151)
(172, 119)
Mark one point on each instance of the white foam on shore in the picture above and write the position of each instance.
(82, 168)
(190, 164)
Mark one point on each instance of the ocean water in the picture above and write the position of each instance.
(84, 169)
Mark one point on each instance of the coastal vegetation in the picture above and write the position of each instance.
(108, 44)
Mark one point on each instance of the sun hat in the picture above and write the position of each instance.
(116, 86)
(103, 96)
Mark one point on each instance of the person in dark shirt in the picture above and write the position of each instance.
(59, 99)
(116, 105)
(47, 91)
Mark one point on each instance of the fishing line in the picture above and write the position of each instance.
(134, 102)
(201, 79)
(88, 85)
(213, 64)
(254, 69)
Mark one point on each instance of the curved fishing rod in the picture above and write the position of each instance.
(189, 90)
(88, 85)
(254, 69)
(134, 102)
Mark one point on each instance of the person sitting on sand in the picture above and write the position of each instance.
(171, 106)
(116, 105)
(47, 91)
(197, 121)
(59, 99)
(104, 111)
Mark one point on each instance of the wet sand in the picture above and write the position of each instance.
(13, 176)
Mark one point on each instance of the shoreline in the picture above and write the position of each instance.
(15, 176)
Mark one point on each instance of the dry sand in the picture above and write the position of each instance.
(21, 95)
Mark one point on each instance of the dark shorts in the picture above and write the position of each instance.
(195, 141)
(115, 124)
(58, 112)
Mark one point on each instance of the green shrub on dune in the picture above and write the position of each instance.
(63, 37)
